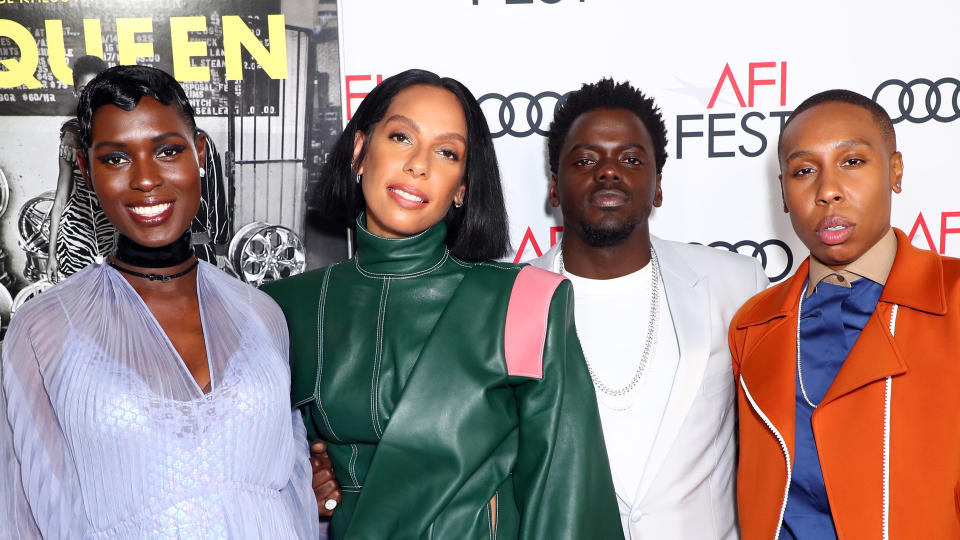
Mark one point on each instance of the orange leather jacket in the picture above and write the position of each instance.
(888, 429)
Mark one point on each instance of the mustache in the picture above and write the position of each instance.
(606, 191)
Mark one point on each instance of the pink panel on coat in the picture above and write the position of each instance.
(526, 327)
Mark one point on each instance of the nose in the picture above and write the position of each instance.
(417, 164)
(608, 171)
(829, 189)
(144, 175)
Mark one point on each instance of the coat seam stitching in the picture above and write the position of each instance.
(316, 388)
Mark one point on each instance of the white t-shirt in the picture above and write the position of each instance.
(612, 319)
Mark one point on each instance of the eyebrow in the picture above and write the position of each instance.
(416, 127)
(158, 138)
(841, 144)
(593, 146)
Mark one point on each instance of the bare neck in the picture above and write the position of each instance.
(605, 262)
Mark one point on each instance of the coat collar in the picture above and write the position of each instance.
(397, 257)
(915, 281)
(768, 365)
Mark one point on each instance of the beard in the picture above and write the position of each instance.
(606, 236)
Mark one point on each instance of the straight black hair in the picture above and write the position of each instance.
(477, 231)
(123, 86)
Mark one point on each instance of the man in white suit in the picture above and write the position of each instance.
(652, 316)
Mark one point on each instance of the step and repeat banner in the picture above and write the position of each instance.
(273, 82)
(726, 75)
(264, 78)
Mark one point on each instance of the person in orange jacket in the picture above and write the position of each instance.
(848, 373)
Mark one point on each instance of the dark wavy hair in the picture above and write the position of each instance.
(477, 231)
(607, 94)
(123, 86)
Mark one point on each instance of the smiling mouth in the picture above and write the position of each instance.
(150, 211)
(406, 196)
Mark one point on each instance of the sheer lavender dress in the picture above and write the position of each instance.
(109, 435)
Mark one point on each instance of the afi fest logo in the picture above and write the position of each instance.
(920, 226)
(763, 81)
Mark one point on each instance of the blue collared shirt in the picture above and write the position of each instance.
(830, 323)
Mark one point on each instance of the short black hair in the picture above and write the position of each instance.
(87, 65)
(123, 86)
(839, 95)
(606, 94)
(475, 232)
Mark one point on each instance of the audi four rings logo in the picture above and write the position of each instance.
(921, 99)
(772, 254)
(520, 114)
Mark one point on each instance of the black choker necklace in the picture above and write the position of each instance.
(156, 277)
(136, 254)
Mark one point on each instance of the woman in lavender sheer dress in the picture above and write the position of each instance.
(148, 396)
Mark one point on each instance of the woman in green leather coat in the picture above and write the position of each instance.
(454, 401)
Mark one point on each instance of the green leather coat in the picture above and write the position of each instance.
(397, 360)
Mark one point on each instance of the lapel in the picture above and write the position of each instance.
(915, 282)
(688, 302)
(768, 359)
(548, 261)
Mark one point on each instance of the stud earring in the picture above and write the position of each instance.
(203, 172)
(359, 177)
(457, 205)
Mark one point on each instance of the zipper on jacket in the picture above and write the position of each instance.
(887, 397)
(783, 448)
(886, 443)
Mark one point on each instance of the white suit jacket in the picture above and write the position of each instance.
(688, 488)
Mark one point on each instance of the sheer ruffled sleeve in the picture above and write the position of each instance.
(298, 494)
(36, 461)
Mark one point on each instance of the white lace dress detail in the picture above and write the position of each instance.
(109, 435)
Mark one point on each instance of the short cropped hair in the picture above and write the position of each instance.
(606, 94)
(124, 86)
(87, 65)
(476, 231)
(879, 114)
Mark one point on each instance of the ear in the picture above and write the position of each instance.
(783, 195)
(658, 196)
(200, 142)
(553, 193)
(896, 171)
(460, 195)
(84, 165)
(358, 139)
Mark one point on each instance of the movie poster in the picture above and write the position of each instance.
(264, 78)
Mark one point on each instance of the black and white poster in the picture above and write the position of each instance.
(264, 78)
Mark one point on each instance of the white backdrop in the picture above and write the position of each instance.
(720, 179)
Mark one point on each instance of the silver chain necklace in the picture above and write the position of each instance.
(653, 326)
(803, 389)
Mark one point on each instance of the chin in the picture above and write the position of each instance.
(840, 255)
